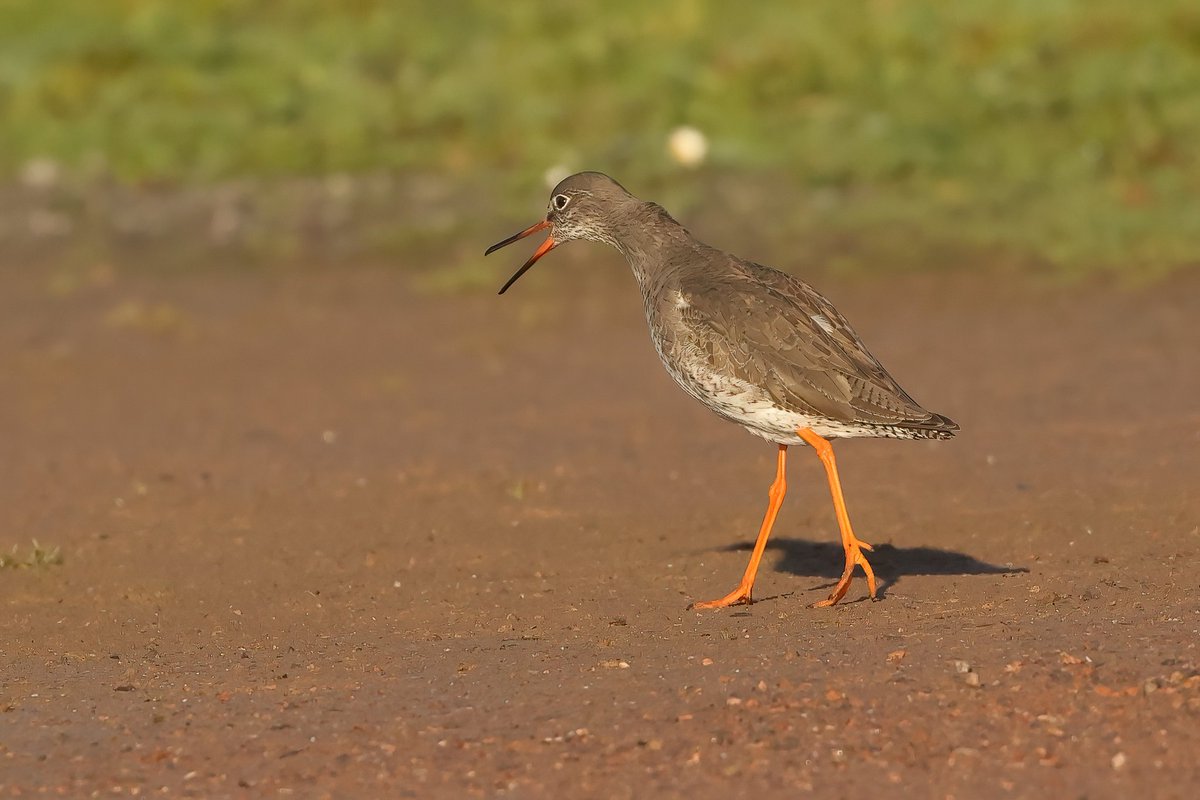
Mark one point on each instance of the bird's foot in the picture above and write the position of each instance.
(739, 596)
(854, 556)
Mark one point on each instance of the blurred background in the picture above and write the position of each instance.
(1057, 135)
(289, 499)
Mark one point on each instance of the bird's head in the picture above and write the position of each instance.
(582, 206)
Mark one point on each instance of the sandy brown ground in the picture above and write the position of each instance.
(328, 535)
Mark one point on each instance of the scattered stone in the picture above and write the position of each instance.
(961, 753)
(40, 173)
(555, 174)
(687, 146)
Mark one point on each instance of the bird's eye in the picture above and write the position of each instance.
(560, 201)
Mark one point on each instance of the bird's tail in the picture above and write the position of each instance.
(936, 427)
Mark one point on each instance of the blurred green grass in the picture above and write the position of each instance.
(1063, 131)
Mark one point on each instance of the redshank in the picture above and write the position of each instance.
(756, 345)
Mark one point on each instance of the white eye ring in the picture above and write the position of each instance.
(560, 201)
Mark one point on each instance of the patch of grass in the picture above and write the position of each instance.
(37, 557)
(1060, 128)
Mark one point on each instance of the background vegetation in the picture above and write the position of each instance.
(1063, 131)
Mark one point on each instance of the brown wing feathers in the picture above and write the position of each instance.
(774, 331)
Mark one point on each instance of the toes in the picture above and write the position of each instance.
(724, 602)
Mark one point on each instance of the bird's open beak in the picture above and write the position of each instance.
(545, 247)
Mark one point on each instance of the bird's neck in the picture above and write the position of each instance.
(654, 244)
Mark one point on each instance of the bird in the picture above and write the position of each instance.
(758, 346)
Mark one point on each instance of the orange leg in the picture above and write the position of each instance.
(850, 543)
(778, 489)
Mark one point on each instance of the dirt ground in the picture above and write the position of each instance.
(325, 533)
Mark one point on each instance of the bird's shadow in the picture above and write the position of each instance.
(891, 563)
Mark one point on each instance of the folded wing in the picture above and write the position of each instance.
(776, 332)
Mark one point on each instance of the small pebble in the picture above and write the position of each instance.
(688, 146)
(555, 174)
